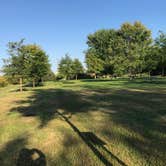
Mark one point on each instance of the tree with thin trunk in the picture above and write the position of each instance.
(14, 67)
(95, 65)
(77, 68)
(161, 43)
(26, 61)
(37, 64)
(65, 67)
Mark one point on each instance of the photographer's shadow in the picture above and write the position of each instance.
(31, 157)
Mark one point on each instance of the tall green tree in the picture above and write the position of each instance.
(117, 59)
(151, 59)
(98, 53)
(37, 63)
(77, 68)
(65, 67)
(26, 61)
(161, 44)
(94, 63)
(119, 51)
(14, 66)
(136, 40)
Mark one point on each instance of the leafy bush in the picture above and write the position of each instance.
(3, 81)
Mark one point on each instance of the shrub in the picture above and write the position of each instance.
(3, 81)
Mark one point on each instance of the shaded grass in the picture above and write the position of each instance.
(128, 116)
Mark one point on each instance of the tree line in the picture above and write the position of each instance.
(129, 50)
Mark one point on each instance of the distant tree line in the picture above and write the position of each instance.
(129, 50)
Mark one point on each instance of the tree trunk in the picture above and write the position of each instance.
(163, 71)
(95, 76)
(130, 74)
(33, 83)
(149, 74)
(76, 76)
(20, 84)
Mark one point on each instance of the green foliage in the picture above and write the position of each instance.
(69, 68)
(77, 67)
(94, 63)
(100, 41)
(25, 61)
(160, 42)
(37, 64)
(98, 53)
(65, 67)
(50, 76)
(151, 59)
(119, 51)
(14, 67)
(136, 41)
(3, 81)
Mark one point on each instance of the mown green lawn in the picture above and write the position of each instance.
(84, 123)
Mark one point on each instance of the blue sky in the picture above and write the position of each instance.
(62, 26)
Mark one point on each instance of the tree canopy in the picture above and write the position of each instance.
(26, 61)
(69, 68)
(121, 51)
(160, 42)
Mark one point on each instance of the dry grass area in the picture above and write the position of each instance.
(78, 123)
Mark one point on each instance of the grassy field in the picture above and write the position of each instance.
(84, 123)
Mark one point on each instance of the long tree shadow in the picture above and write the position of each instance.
(44, 103)
(91, 140)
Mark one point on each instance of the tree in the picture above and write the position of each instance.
(98, 53)
(77, 68)
(14, 67)
(37, 63)
(161, 44)
(99, 41)
(94, 63)
(151, 59)
(26, 61)
(117, 59)
(119, 51)
(136, 40)
(65, 67)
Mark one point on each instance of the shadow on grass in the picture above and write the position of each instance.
(44, 104)
(140, 113)
(91, 140)
(15, 153)
(8, 154)
(31, 157)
